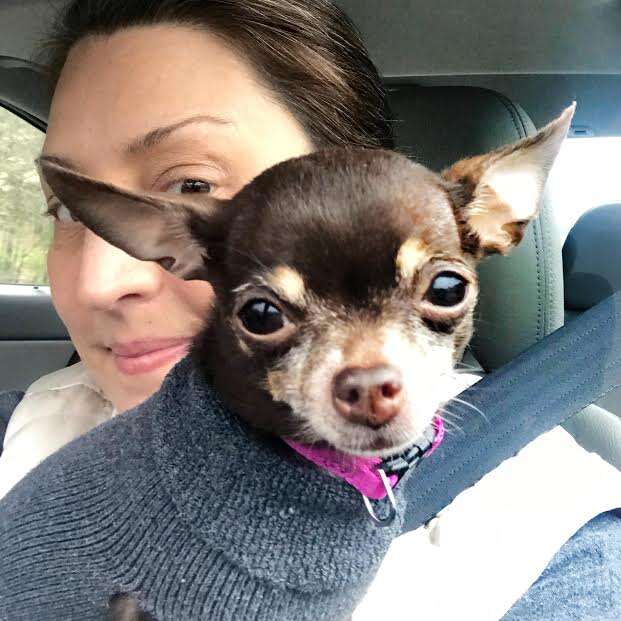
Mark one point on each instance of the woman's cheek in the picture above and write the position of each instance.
(200, 297)
(63, 267)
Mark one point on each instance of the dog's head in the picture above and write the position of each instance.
(345, 279)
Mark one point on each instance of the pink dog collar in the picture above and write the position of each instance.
(363, 473)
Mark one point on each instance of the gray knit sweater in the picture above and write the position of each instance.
(184, 505)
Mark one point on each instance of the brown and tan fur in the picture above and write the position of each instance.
(348, 249)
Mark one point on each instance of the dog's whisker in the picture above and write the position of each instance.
(455, 415)
(450, 425)
(451, 420)
(472, 407)
(481, 321)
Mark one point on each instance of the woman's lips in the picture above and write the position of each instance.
(144, 356)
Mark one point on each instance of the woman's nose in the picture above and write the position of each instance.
(108, 275)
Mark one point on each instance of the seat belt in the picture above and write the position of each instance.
(9, 400)
(551, 381)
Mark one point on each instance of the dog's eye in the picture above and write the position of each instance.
(447, 289)
(59, 212)
(261, 317)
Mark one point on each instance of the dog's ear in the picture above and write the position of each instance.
(496, 195)
(177, 231)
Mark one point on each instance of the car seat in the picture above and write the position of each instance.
(522, 295)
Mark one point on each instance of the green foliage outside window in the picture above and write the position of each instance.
(25, 233)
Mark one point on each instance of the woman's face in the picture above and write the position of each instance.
(152, 108)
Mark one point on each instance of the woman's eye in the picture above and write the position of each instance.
(261, 317)
(190, 186)
(447, 289)
(59, 212)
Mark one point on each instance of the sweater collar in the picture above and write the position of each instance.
(249, 494)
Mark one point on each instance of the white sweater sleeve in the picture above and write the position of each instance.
(55, 410)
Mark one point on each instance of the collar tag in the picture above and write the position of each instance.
(393, 469)
(389, 518)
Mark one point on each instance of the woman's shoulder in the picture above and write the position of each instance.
(65, 403)
(106, 442)
(53, 411)
(62, 517)
(67, 377)
(53, 393)
(91, 475)
(108, 448)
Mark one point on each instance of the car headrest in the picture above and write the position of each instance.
(592, 258)
(521, 295)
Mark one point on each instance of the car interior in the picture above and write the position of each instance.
(463, 78)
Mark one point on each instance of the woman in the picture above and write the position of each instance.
(180, 96)
(180, 110)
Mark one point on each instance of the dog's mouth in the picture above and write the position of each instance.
(380, 446)
(365, 441)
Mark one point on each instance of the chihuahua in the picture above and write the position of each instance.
(345, 279)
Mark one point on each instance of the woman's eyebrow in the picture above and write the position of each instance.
(157, 135)
(148, 140)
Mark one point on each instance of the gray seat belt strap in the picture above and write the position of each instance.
(551, 381)
(8, 402)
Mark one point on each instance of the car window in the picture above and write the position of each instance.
(585, 176)
(24, 232)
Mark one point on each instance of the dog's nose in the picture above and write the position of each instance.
(371, 397)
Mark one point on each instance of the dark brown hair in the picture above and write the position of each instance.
(307, 52)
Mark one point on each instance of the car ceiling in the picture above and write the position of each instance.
(542, 54)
